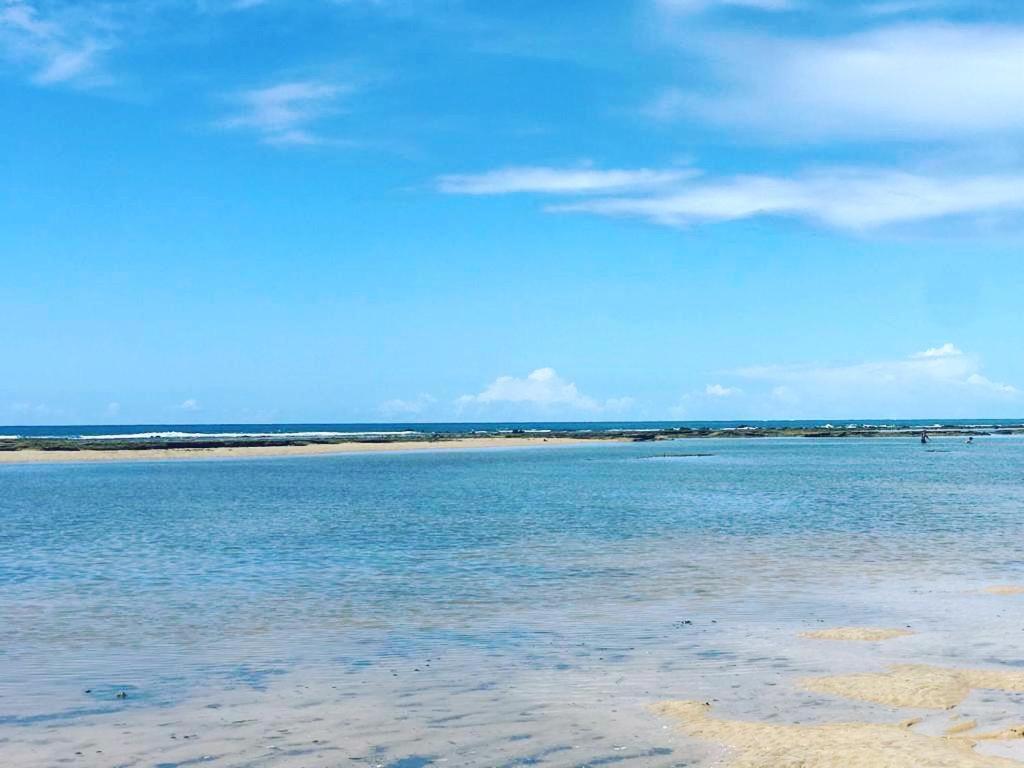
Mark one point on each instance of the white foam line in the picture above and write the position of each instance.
(231, 435)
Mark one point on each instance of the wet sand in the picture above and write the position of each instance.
(31, 456)
(917, 685)
(851, 745)
(945, 737)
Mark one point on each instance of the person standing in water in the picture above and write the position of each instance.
(924, 437)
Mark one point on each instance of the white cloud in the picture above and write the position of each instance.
(916, 81)
(547, 180)
(940, 382)
(717, 390)
(283, 114)
(112, 409)
(544, 389)
(715, 401)
(190, 405)
(946, 350)
(977, 380)
(845, 198)
(413, 407)
(62, 46)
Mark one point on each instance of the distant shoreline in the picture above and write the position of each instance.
(77, 449)
(256, 449)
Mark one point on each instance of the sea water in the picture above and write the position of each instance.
(487, 607)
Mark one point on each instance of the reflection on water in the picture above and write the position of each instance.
(511, 607)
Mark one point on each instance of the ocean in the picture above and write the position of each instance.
(148, 431)
(503, 607)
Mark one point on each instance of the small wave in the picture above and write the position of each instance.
(10, 437)
(515, 431)
(239, 435)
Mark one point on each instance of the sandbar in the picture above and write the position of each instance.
(256, 451)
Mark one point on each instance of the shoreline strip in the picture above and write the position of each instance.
(36, 456)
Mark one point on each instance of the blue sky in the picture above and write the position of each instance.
(352, 210)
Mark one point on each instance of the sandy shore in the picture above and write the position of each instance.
(256, 451)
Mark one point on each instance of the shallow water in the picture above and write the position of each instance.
(503, 607)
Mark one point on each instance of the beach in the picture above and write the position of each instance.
(197, 441)
(397, 384)
(712, 602)
(29, 455)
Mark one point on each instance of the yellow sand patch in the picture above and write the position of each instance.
(1016, 732)
(1005, 589)
(916, 685)
(867, 634)
(850, 745)
(961, 727)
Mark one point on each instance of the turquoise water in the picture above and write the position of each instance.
(545, 596)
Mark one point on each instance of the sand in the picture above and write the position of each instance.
(916, 685)
(864, 634)
(257, 451)
(1005, 589)
(832, 745)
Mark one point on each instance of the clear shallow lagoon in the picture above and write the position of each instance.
(501, 607)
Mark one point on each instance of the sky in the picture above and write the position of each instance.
(231, 211)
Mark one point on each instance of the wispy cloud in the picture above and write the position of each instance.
(902, 7)
(548, 180)
(62, 46)
(36, 410)
(944, 377)
(718, 390)
(941, 381)
(697, 6)
(407, 407)
(190, 405)
(284, 114)
(715, 401)
(543, 389)
(908, 81)
(946, 350)
(844, 198)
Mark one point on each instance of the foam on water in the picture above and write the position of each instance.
(228, 435)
